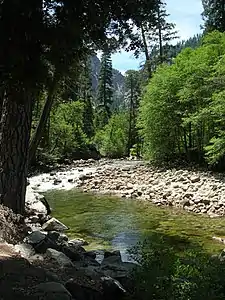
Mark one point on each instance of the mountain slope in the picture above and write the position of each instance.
(118, 78)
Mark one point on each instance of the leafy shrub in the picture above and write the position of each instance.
(167, 274)
(112, 141)
(66, 130)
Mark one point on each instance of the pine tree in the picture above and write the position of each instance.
(214, 15)
(105, 90)
(154, 35)
(132, 94)
(163, 31)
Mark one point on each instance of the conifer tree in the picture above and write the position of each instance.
(162, 32)
(214, 15)
(155, 32)
(105, 90)
(132, 94)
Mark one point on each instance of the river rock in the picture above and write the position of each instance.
(195, 178)
(25, 250)
(78, 242)
(83, 287)
(75, 253)
(94, 287)
(120, 271)
(112, 289)
(35, 237)
(54, 225)
(57, 237)
(32, 203)
(59, 257)
(57, 181)
(51, 291)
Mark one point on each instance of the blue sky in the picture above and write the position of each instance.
(186, 14)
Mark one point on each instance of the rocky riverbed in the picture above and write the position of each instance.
(196, 191)
(47, 265)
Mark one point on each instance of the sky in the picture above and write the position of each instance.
(186, 14)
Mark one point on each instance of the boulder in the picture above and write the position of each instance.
(75, 253)
(45, 244)
(112, 253)
(51, 291)
(32, 203)
(35, 237)
(112, 259)
(25, 250)
(54, 225)
(112, 289)
(61, 259)
(83, 287)
(91, 285)
(119, 271)
(41, 242)
(57, 237)
(78, 242)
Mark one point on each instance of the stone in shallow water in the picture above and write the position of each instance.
(78, 242)
(54, 225)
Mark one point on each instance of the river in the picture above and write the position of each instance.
(107, 222)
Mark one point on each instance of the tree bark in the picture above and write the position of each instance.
(15, 128)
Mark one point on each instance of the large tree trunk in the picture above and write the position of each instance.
(15, 127)
(21, 77)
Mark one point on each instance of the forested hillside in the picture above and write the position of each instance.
(118, 78)
(99, 112)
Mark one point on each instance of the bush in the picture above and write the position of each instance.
(66, 130)
(167, 274)
(112, 141)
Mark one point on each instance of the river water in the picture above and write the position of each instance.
(119, 224)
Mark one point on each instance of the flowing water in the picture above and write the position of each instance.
(111, 223)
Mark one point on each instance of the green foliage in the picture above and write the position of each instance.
(165, 273)
(159, 119)
(182, 110)
(66, 134)
(112, 140)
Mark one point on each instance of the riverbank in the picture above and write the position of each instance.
(59, 267)
(201, 192)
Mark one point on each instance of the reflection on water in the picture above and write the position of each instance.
(124, 241)
(112, 223)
